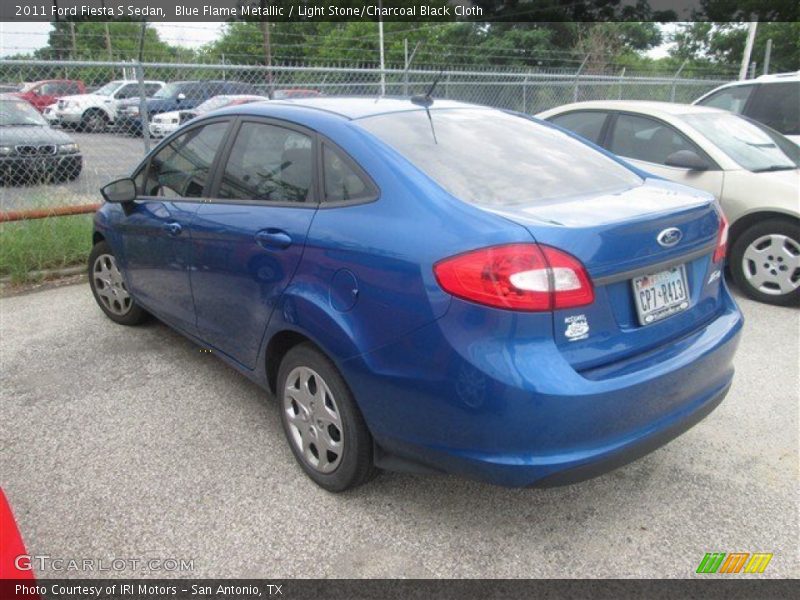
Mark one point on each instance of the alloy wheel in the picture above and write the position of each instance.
(771, 264)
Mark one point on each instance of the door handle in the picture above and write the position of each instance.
(173, 228)
(273, 238)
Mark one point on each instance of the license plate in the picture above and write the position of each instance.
(661, 295)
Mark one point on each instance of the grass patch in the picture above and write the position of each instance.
(38, 244)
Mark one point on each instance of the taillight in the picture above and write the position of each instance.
(722, 239)
(526, 277)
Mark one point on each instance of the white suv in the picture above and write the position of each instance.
(98, 110)
(773, 100)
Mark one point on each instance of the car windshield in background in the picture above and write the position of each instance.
(750, 144)
(18, 112)
(168, 91)
(491, 158)
(108, 88)
(213, 104)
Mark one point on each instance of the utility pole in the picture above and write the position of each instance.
(74, 41)
(748, 49)
(267, 46)
(767, 56)
(107, 34)
(380, 36)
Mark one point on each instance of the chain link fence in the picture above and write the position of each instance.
(70, 127)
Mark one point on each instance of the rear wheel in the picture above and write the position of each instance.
(94, 121)
(765, 262)
(109, 287)
(322, 423)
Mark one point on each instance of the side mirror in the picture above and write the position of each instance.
(687, 159)
(180, 97)
(120, 191)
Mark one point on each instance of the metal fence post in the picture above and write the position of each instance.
(577, 78)
(621, 77)
(143, 116)
(675, 80)
(525, 93)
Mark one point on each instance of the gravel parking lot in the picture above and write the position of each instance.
(130, 443)
(106, 156)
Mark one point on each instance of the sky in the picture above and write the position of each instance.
(25, 37)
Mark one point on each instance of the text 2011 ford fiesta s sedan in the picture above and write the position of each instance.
(434, 287)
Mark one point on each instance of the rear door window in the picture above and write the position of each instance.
(587, 124)
(733, 98)
(777, 105)
(646, 139)
(269, 164)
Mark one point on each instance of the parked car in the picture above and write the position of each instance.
(96, 111)
(286, 93)
(41, 94)
(178, 95)
(30, 151)
(752, 169)
(533, 317)
(165, 123)
(773, 100)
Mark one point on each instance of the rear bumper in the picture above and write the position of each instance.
(492, 399)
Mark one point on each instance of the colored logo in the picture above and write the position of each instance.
(669, 237)
(735, 562)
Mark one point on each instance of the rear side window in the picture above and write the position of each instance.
(496, 159)
(733, 98)
(342, 182)
(587, 124)
(180, 169)
(270, 164)
(777, 105)
(646, 139)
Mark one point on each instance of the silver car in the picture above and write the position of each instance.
(750, 168)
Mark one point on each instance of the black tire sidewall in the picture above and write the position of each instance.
(752, 233)
(136, 314)
(356, 466)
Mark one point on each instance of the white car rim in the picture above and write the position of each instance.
(771, 264)
(110, 286)
(315, 424)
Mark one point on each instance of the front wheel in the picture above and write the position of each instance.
(94, 121)
(322, 423)
(765, 262)
(109, 287)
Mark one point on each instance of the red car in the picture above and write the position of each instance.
(42, 94)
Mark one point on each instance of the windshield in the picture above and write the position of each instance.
(26, 87)
(492, 158)
(750, 144)
(19, 112)
(108, 88)
(168, 91)
(212, 104)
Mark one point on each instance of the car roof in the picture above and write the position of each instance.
(355, 107)
(649, 107)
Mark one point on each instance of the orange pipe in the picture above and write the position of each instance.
(43, 213)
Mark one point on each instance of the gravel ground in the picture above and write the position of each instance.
(130, 443)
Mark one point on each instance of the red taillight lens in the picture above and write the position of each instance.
(722, 239)
(518, 277)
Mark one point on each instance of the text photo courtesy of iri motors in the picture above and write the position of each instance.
(451, 303)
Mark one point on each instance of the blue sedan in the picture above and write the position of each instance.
(429, 286)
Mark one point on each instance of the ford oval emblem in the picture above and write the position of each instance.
(669, 237)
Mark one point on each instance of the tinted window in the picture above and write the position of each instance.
(732, 98)
(777, 105)
(342, 183)
(129, 90)
(646, 139)
(180, 169)
(73, 88)
(50, 89)
(151, 88)
(493, 158)
(587, 124)
(268, 163)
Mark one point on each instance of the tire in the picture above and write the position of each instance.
(109, 289)
(765, 262)
(320, 411)
(94, 120)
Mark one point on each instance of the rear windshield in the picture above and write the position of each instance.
(492, 158)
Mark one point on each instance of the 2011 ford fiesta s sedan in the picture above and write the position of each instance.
(429, 285)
